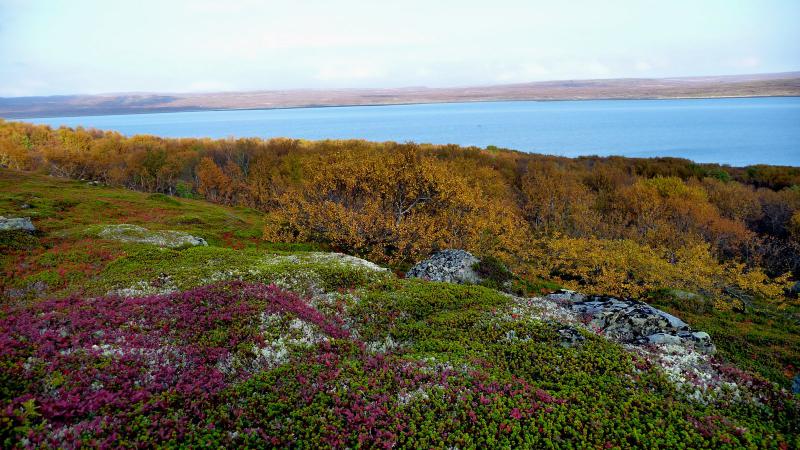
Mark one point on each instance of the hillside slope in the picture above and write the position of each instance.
(757, 85)
(118, 336)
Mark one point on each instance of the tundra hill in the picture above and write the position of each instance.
(756, 85)
(134, 319)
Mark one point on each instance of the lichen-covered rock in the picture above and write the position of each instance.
(633, 322)
(16, 223)
(345, 259)
(570, 336)
(162, 238)
(451, 266)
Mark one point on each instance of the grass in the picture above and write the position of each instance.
(64, 208)
(65, 255)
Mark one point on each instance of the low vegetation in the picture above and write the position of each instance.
(265, 338)
(390, 363)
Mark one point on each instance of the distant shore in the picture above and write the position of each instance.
(126, 112)
(738, 86)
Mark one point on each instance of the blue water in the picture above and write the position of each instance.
(727, 131)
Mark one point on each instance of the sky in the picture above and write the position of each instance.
(52, 47)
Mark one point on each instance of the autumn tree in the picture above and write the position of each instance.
(212, 182)
(392, 204)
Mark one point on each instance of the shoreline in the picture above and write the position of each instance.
(166, 110)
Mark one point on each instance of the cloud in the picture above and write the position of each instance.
(748, 62)
(346, 71)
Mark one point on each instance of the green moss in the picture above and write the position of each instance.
(11, 240)
(496, 275)
(158, 197)
(187, 219)
(493, 270)
(433, 317)
(196, 266)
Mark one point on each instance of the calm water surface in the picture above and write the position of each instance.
(728, 131)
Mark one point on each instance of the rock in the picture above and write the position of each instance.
(161, 238)
(346, 259)
(570, 336)
(565, 295)
(16, 223)
(451, 266)
(663, 338)
(35, 290)
(795, 289)
(633, 322)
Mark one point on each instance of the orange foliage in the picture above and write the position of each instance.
(624, 224)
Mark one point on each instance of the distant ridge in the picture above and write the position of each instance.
(757, 85)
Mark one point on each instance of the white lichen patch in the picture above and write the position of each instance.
(161, 286)
(384, 346)
(341, 258)
(302, 272)
(538, 308)
(283, 335)
(141, 235)
(405, 397)
(687, 367)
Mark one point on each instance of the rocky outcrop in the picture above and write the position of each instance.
(141, 235)
(570, 336)
(621, 320)
(450, 266)
(633, 322)
(16, 223)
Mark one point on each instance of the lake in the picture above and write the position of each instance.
(736, 132)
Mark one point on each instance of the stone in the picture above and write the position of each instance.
(570, 337)
(565, 295)
(16, 223)
(141, 235)
(634, 322)
(450, 266)
(663, 338)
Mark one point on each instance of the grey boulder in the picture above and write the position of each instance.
(450, 266)
(16, 223)
(633, 322)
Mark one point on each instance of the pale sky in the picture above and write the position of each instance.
(87, 46)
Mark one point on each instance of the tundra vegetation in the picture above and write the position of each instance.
(262, 338)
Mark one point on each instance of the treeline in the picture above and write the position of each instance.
(620, 225)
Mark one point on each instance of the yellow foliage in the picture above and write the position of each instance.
(625, 268)
(392, 205)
